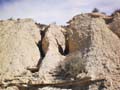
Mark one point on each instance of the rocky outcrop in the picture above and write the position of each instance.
(99, 47)
(84, 55)
(55, 36)
(31, 27)
(18, 49)
(53, 47)
(115, 24)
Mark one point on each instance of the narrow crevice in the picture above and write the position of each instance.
(42, 53)
(66, 51)
(39, 63)
(108, 21)
(41, 26)
(60, 48)
(66, 45)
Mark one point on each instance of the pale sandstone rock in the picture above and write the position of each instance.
(31, 27)
(115, 24)
(99, 47)
(54, 38)
(18, 49)
(54, 35)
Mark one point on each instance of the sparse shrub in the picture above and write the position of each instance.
(95, 10)
(10, 18)
(103, 13)
(18, 19)
(1, 20)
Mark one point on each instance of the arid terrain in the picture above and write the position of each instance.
(82, 55)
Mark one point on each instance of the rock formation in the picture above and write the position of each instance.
(84, 55)
(115, 24)
(99, 47)
(53, 47)
(18, 49)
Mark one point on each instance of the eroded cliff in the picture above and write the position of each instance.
(84, 55)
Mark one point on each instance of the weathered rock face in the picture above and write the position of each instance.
(31, 27)
(99, 47)
(115, 25)
(53, 46)
(78, 33)
(18, 49)
(54, 37)
(82, 56)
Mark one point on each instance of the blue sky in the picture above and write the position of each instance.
(48, 11)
